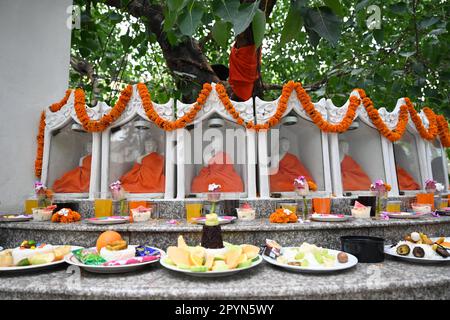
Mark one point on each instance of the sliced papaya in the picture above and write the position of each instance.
(250, 250)
(179, 256)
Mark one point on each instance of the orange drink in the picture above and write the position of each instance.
(426, 198)
(193, 210)
(322, 205)
(29, 205)
(103, 207)
(394, 206)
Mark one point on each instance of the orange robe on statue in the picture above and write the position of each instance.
(243, 70)
(353, 176)
(146, 177)
(220, 171)
(405, 180)
(76, 180)
(289, 168)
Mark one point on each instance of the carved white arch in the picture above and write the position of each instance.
(58, 120)
(135, 108)
(264, 111)
(214, 106)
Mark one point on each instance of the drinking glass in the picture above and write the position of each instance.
(193, 210)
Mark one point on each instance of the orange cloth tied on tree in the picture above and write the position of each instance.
(220, 171)
(353, 176)
(289, 168)
(243, 70)
(147, 176)
(405, 180)
(76, 180)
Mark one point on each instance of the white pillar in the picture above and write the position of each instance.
(34, 72)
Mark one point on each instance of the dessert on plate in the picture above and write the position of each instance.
(141, 214)
(246, 212)
(360, 211)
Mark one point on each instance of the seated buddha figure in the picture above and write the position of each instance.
(289, 168)
(147, 174)
(404, 178)
(353, 175)
(78, 179)
(219, 169)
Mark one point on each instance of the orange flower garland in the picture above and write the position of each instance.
(391, 135)
(316, 116)
(432, 131)
(179, 123)
(40, 146)
(443, 131)
(312, 186)
(280, 216)
(106, 120)
(58, 105)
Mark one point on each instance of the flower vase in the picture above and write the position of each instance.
(305, 209)
(379, 207)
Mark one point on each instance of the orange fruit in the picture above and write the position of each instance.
(106, 238)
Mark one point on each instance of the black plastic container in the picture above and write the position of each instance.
(366, 249)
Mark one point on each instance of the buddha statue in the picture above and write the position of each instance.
(354, 178)
(78, 179)
(218, 168)
(404, 178)
(289, 167)
(147, 174)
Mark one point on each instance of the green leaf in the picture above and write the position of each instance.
(176, 5)
(378, 35)
(335, 5)
(126, 41)
(399, 8)
(293, 23)
(190, 19)
(221, 32)
(244, 16)
(114, 16)
(259, 27)
(407, 54)
(428, 22)
(325, 23)
(226, 9)
(170, 17)
(240, 15)
(362, 4)
(313, 37)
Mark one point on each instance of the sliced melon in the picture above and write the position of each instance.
(245, 264)
(179, 256)
(42, 258)
(209, 261)
(182, 243)
(232, 258)
(199, 269)
(250, 250)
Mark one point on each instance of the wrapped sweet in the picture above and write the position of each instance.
(145, 251)
(88, 257)
(273, 249)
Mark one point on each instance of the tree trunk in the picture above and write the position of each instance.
(185, 60)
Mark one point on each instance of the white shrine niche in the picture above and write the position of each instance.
(134, 144)
(214, 136)
(295, 140)
(67, 150)
(437, 162)
(409, 154)
(362, 144)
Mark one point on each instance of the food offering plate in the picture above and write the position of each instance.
(15, 217)
(430, 257)
(314, 267)
(122, 266)
(212, 274)
(222, 220)
(108, 220)
(321, 217)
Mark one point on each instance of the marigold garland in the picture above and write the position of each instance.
(391, 135)
(443, 131)
(106, 120)
(179, 123)
(40, 146)
(55, 107)
(70, 216)
(432, 131)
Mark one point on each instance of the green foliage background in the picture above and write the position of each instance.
(309, 41)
